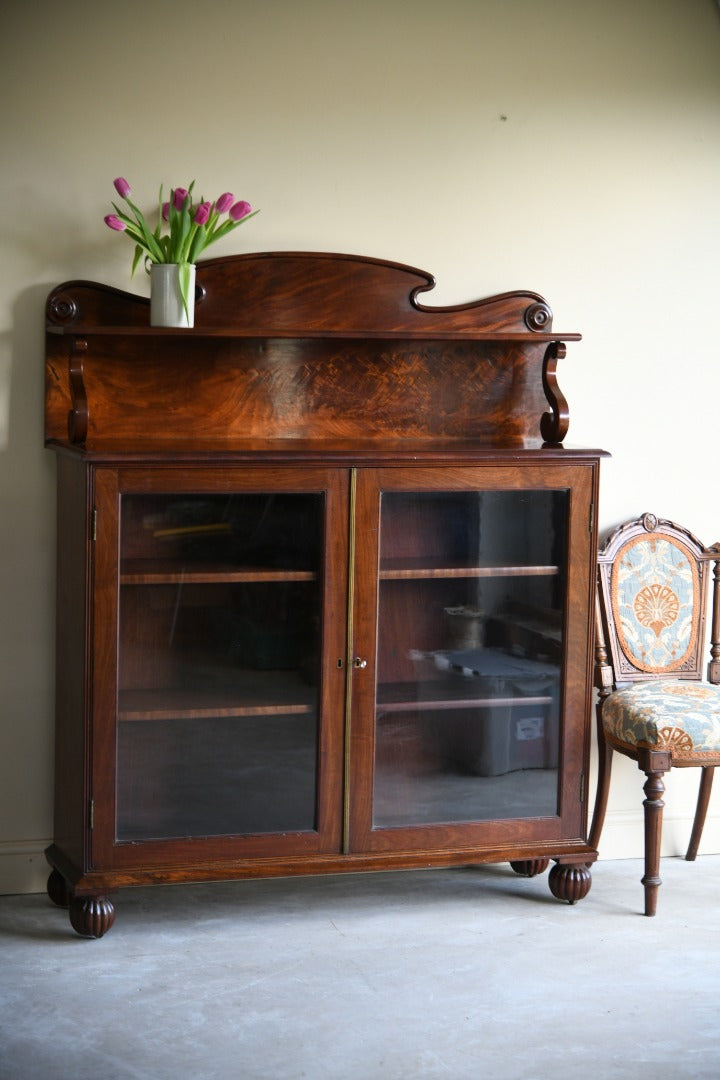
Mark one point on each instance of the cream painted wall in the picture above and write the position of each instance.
(564, 146)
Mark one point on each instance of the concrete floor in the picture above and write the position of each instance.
(471, 973)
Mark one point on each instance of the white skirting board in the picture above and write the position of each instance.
(623, 837)
(23, 866)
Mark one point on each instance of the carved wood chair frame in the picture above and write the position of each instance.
(618, 667)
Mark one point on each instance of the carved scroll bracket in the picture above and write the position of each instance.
(79, 414)
(554, 425)
(714, 664)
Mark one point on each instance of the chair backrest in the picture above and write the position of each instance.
(652, 592)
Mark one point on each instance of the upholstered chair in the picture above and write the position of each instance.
(653, 703)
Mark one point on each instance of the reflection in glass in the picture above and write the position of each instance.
(219, 631)
(472, 592)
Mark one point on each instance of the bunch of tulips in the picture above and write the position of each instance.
(184, 230)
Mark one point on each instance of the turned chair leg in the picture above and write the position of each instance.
(706, 782)
(605, 760)
(653, 763)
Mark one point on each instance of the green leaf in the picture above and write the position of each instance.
(149, 240)
(139, 250)
(198, 243)
(229, 225)
(184, 238)
(184, 283)
(123, 216)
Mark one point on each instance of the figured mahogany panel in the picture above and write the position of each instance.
(243, 389)
(301, 346)
(306, 291)
(324, 291)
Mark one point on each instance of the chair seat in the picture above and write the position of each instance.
(682, 717)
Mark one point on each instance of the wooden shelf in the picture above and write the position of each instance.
(278, 334)
(340, 349)
(242, 700)
(405, 571)
(162, 572)
(150, 572)
(445, 704)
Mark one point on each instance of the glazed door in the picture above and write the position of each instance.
(218, 699)
(472, 638)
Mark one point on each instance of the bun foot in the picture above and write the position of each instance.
(571, 883)
(91, 916)
(530, 867)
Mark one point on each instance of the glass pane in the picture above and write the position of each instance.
(219, 664)
(472, 588)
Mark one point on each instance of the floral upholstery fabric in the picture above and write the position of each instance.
(655, 587)
(683, 717)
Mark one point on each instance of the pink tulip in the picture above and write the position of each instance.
(202, 213)
(224, 202)
(165, 211)
(122, 187)
(179, 197)
(115, 223)
(240, 210)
